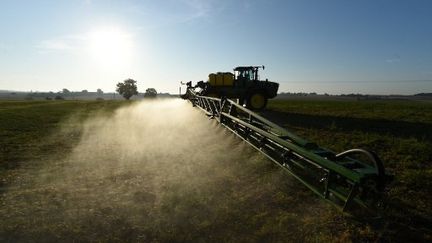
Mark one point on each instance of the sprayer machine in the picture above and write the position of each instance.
(353, 179)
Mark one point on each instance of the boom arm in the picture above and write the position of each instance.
(337, 178)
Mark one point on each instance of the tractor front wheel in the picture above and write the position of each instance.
(256, 101)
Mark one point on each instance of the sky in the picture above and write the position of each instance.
(323, 46)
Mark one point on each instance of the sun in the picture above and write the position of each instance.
(110, 47)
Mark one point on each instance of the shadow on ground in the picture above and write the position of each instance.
(402, 129)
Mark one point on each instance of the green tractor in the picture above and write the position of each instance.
(243, 84)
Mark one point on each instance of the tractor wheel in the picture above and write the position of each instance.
(256, 101)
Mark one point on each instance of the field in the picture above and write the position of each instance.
(162, 171)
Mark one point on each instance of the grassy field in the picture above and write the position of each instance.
(27, 126)
(129, 171)
(399, 131)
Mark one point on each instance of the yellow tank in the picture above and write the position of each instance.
(219, 79)
(228, 79)
(212, 79)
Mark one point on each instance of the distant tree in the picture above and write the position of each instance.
(65, 91)
(99, 92)
(127, 88)
(424, 94)
(150, 93)
(84, 91)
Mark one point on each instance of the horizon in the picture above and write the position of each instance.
(175, 94)
(337, 47)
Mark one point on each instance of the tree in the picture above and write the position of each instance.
(150, 93)
(66, 91)
(127, 88)
(99, 92)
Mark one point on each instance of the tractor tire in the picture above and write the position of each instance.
(256, 101)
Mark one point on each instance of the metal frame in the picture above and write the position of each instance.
(337, 178)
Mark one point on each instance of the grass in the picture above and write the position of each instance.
(235, 196)
(399, 131)
(25, 125)
(29, 131)
(393, 110)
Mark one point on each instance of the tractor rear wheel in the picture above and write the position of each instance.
(257, 101)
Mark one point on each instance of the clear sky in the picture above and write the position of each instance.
(333, 46)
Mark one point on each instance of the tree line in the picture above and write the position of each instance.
(128, 88)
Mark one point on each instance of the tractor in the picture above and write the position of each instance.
(344, 179)
(243, 85)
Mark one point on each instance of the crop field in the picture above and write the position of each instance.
(162, 171)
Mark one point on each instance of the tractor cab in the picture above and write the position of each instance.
(249, 73)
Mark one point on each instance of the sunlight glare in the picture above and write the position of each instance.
(110, 47)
